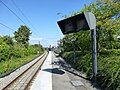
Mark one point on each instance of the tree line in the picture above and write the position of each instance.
(18, 46)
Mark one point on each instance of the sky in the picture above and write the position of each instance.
(42, 15)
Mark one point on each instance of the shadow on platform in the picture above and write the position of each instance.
(54, 71)
(67, 67)
(63, 65)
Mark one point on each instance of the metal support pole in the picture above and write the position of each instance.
(94, 52)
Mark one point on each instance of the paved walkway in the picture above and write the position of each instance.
(55, 74)
(61, 80)
(43, 81)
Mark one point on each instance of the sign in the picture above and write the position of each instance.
(83, 21)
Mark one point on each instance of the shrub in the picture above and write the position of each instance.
(4, 51)
(108, 66)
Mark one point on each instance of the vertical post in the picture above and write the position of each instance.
(94, 52)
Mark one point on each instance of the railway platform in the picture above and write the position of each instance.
(47, 72)
(55, 74)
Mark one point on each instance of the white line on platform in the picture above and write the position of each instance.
(43, 81)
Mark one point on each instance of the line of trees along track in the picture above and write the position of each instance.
(16, 51)
(107, 13)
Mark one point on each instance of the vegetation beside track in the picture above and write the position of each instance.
(16, 51)
(10, 65)
(107, 14)
(108, 67)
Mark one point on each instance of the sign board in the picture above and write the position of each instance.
(77, 23)
(83, 21)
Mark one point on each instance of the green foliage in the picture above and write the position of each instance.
(109, 72)
(14, 54)
(35, 49)
(108, 67)
(82, 42)
(10, 54)
(8, 40)
(107, 13)
(66, 43)
(108, 23)
(8, 51)
(14, 63)
(4, 51)
(19, 51)
(22, 35)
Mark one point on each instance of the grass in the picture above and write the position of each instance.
(10, 65)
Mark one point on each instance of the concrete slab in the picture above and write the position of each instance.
(43, 80)
(61, 81)
(71, 79)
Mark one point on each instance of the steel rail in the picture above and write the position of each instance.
(11, 84)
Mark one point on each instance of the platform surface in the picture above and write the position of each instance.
(43, 80)
(55, 74)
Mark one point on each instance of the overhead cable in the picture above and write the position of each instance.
(23, 14)
(6, 26)
(12, 11)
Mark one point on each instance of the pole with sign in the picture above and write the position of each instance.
(92, 24)
(81, 22)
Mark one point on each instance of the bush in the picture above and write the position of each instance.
(15, 50)
(109, 72)
(19, 52)
(4, 51)
(108, 67)
(14, 54)
(35, 49)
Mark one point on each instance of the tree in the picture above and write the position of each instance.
(107, 13)
(22, 35)
(8, 40)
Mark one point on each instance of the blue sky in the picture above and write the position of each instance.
(42, 14)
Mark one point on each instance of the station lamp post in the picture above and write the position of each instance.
(82, 22)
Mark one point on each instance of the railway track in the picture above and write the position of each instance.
(22, 81)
